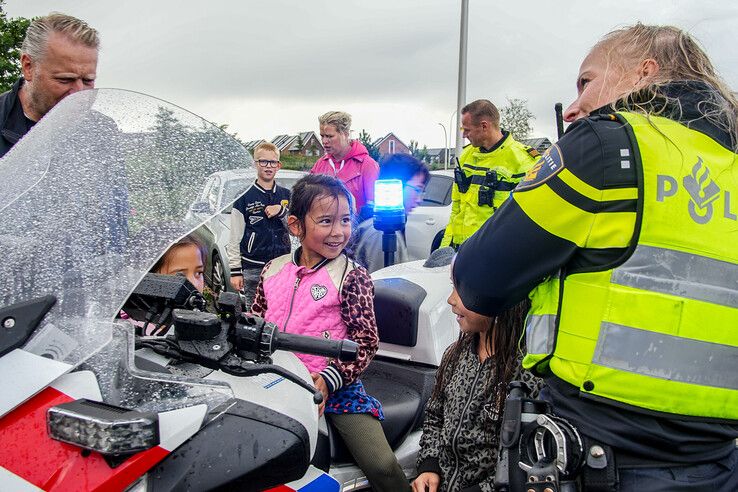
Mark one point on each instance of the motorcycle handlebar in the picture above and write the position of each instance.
(344, 350)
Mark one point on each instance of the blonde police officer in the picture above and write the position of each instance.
(626, 233)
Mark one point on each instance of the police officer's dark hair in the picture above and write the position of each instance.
(402, 167)
(483, 109)
(314, 186)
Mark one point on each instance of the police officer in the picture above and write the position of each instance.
(488, 169)
(625, 232)
(58, 58)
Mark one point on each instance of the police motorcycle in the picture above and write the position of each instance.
(89, 200)
(91, 197)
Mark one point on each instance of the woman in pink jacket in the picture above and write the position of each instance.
(346, 159)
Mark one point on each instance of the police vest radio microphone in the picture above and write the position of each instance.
(389, 215)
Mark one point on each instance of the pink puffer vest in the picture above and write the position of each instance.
(307, 301)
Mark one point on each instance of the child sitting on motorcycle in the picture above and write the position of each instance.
(319, 291)
(459, 445)
(185, 257)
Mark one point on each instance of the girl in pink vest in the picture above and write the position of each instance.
(319, 291)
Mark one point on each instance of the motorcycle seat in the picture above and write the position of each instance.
(403, 392)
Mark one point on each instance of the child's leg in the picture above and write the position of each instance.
(365, 439)
(250, 281)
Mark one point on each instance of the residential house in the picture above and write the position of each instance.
(304, 143)
(390, 144)
(251, 145)
(540, 144)
(437, 156)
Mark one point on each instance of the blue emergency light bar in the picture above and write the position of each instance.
(388, 195)
(389, 206)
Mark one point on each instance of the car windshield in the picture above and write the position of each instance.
(288, 182)
(438, 191)
(90, 198)
(233, 188)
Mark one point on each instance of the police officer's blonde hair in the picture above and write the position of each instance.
(483, 109)
(37, 35)
(679, 57)
(267, 146)
(340, 120)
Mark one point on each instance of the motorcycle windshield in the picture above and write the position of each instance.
(90, 198)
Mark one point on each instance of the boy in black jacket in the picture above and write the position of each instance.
(258, 233)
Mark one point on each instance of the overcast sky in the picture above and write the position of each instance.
(267, 67)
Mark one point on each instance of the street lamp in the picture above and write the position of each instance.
(445, 142)
(461, 90)
(450, 126)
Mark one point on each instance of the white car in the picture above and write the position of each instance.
(221, 190)
(427, 223)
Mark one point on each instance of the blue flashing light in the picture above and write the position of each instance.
(388, 195)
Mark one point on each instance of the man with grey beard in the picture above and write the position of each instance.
(58, 58)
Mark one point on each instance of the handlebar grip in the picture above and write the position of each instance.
(344, 350)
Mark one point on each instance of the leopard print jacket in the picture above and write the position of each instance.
(460, 432)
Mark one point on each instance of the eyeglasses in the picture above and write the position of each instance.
(418, 189)
(267, 163)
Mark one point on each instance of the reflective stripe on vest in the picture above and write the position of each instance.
(539, 333)
(666, 356)
(687, 275)
(659, 331)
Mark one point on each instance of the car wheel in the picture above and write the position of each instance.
(218, 276)
(437, 240)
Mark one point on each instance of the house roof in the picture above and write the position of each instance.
(283, 141)
(435, 152)
(538, 143)
(251, 144)
(380, 141)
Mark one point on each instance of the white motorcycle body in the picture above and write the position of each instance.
(416, 327)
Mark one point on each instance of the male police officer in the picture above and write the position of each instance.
(488, 169)
(58, 58)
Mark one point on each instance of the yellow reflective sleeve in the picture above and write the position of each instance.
(593, 193)
(587, 230)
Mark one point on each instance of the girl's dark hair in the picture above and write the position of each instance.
(185, 241)
(402, 167)
(503, 336)
(313, 186)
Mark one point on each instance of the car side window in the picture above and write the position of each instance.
(438, 191)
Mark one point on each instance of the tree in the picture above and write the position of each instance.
(224, 127)
(12, 32)
(366, 139)
(515, 117)
(420, 154)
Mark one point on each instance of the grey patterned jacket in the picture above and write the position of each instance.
(460, 439)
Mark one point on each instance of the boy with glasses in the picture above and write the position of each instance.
(258, 233)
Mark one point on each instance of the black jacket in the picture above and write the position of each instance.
(255, 238)
(13, 123)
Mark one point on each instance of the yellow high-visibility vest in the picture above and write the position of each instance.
(510, 161)
(660, 330)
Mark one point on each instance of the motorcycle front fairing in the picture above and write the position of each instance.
(89, 200)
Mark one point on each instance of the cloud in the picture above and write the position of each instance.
(272, 67)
